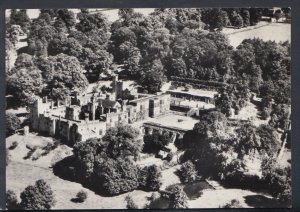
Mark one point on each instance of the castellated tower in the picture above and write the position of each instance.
(36, 109)
(117, 87)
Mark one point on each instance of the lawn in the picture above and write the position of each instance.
(264, 30)
(20, 173)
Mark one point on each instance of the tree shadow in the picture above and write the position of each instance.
(260, 201)
(66, 170)
(76, 200)
(159, 203)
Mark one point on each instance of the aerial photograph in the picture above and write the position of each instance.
(148, 108)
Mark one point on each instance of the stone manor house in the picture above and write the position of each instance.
(89, 115)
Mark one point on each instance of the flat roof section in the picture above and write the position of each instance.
(174, 121)
(195, 92)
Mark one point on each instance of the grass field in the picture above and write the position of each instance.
(20, 173)
(264, 30)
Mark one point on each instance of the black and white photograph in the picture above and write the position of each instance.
(148, 108)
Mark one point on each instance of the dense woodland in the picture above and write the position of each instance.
(66, 52)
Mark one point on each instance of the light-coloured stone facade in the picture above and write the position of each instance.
(90, 115)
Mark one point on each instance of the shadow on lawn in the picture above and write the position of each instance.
(260, 201)
(66, 169)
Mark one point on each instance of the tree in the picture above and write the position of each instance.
(12, 34)
(278, 14)
(255, 15)
(89, 22)
(122, 141)
(81, 196)
(150, 178)
(24, 61)
(237, 21)
(178, 198)
(63, 74)
(224, 103)
(51, 12)
(40, 34)
(280, 116)
(155, 142)
(37, 197)
(246, 17)
(211, 125)
(187, 172)
(153, 76)
(24, 84)
(248, 140)
(215, 18)
(11, 200)
(115, 176)
(20, 18)
(13, 123)
(270, 144)
(278, 182)
(46, 17)
(85, 156)
(67, 16)
(130, 203)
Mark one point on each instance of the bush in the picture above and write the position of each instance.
(11, 200)
(170, 156)
(178, 198)
(49, 147)
(187, 172)
(150, 178)
(13, 145)
(81, 196)
(30, 152)
(37, 197)
(12, 123)
(233, 204)
(129, 203)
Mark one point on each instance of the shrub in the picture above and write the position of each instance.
(81, 196)
(278, 182)
(37, 197)
(30, 152)
(233, 204)
(170, 156)
(13, 145)
(11, 200)
(130, 203)
(12, 123)
(49, 147)
(187, 172)
(150, 178)
(178, 197)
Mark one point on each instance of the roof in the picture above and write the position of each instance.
(195, 92)
(109, 103)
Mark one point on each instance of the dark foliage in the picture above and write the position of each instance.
(155, 142)
(13, 123)
(37, 197)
